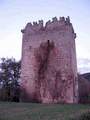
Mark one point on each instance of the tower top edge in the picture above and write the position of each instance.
(50, 24)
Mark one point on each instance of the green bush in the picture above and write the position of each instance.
(84, 116)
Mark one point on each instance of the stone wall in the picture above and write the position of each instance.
(49, 68)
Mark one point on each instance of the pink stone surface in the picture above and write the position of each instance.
(49, 67)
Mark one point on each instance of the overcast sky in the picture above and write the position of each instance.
(14, 14)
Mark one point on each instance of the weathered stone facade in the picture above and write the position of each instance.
(49, 68)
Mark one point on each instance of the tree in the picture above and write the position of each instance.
(10, 70)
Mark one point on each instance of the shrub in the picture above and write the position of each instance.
(83, 116)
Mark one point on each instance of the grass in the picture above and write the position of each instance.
(32, 111)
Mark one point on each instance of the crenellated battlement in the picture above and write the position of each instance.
(54, 24)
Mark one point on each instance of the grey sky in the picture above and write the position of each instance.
(14, 14)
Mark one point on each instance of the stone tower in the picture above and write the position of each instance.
(49, 68)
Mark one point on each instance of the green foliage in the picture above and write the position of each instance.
(9, 78)
(32, 111)
(83, 116)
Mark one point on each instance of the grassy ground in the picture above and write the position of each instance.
(31, 111)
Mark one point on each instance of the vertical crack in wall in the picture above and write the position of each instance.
(42, 55)
(46, 49)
